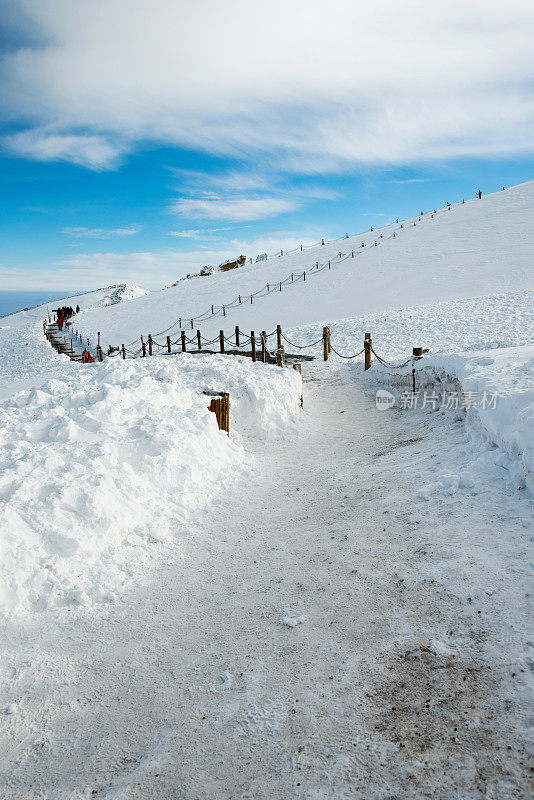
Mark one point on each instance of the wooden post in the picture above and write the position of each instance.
(281, 356)
(212, 310)
(325, 344)
(264, 346)
(98, 342)
(329, 265)
(279, 336)
(368, 343)
(237, 335)
(353, 254)
(182, 336)
(291, 276)
(221, 340)
(123, 351)
(280, 285)
(304, 274)
(143, 347)
(417, 353)
(180, 322)
(100, 354)
(224, 311)
(239, 298)
(250, 299)
(149, 344)
(199, 340)
(192, 326)
(329, 341)
(168, 344)
(221, 408)
(253, 345)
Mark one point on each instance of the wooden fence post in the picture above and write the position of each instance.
(325, 344)
(279, 336)
(143, 347)
(221, 408)
(417, 354)
(168, 344)
(264, 346)
(182, 336)
(149, 344)
(224, 311)
(199, 340)
(123, 352)
(368, 343)
(237, 335)
(253, 345)
(329, 340)
(221, 340)
(98, 342)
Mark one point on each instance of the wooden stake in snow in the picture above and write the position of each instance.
(368, 343)
(237, 335)
(264, 346)
(149, 344)
(279, 336)
(199, 340)
(253, 345)
(182, 335)
(325, 344)
(221, 340)
(220, 406)
(168, 344)
(123, 351)
(417, 354)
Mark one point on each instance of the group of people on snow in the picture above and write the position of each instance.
(65, 313)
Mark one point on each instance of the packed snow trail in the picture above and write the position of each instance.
(323, 633)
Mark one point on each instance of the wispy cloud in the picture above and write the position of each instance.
(238, 209)
(410, 180)
(441, 80)
(101, 233)
(90, 151)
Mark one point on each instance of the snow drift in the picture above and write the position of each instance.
(98, 467)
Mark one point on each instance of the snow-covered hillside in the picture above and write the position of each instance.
(26, 359)
(327, 603)
(476, 248)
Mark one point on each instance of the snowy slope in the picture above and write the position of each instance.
(115, 458)
(480, 247)
(26, 358)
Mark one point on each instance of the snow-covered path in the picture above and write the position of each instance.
(323, 633)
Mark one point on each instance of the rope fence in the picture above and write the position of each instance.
(83, 352)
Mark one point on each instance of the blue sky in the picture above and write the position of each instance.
(200, 133)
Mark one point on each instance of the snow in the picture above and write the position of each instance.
(327, 603)
(477, 248)
(27, 359)
(97, 467)
(409, 678)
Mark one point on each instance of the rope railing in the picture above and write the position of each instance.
(267, 289)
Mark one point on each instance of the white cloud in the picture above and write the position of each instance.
(239, 209)
(101, 233)
(88, 150)
(410, 180)
(300, 84)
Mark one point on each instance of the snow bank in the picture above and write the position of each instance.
(500, 386)
(100, 468)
